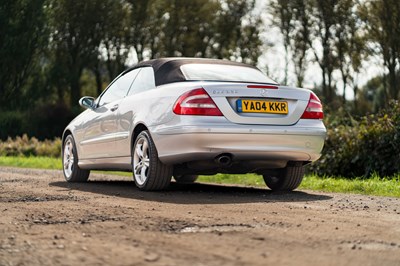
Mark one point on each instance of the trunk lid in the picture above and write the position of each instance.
(259, 104)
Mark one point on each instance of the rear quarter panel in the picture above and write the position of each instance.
(152, 108)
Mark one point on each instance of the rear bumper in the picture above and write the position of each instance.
(181, 144)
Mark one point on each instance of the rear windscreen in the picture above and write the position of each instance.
(215, 72)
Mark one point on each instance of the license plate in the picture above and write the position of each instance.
(260, 106)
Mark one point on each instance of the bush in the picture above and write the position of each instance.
(12, 124)
(362, 148)
(25, 146)
(43, 121)
(49, 121)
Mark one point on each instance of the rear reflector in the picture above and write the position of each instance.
(262, 87)
(196, 102)
(314, 108)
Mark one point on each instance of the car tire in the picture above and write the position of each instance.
(286, 179)
(71, 170)
(149, 172)
(186, 178)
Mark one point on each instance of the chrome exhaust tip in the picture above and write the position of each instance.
(224, 160)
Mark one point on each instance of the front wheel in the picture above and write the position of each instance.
(286, 179)
(148, 171)
(71, 170)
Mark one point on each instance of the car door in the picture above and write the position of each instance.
(101, 129)
(128, 107)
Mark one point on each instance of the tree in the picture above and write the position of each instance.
(143, 20)
(382, 22)
(113, 49)
(331, 30)
(237, 35)
(188, 27)
(115, 36)
(349, 44)
(76, 36)
(301, 38)
(282, 11)
(371, 96)
(22, 36)
(293, 19)
(322, 30)
(199, 28)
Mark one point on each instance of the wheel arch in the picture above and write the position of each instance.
(64, 135)
(136, 131)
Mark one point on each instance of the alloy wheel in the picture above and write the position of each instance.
(68, 158)
(141, 161)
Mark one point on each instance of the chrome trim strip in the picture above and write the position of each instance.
(106, 138)
(102, 139)
(121, 135)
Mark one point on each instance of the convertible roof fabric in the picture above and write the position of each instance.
(167, 70)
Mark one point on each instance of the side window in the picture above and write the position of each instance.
(119, 88)
(144, 81)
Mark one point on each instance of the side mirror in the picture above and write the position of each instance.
(87, 102)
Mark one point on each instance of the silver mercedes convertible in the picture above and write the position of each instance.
(184, 117)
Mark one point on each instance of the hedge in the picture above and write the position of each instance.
(43, 121)
(361, 148)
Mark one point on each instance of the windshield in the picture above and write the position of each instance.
(215, 72)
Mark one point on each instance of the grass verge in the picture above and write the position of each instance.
(31, 162)
(376, 185)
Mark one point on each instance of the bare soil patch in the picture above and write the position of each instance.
(107, 221)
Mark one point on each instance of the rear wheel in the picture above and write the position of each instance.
(148, 171)
(185, 178)
(286, 179)
(71, 170)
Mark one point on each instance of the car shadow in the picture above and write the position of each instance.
(196, 193)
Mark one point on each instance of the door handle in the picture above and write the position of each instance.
(115, 107)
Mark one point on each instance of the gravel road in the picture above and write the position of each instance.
(107, 221)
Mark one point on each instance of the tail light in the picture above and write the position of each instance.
(314, 108)
(196, 102)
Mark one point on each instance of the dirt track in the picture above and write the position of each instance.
(46, 221)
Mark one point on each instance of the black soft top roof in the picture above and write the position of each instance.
(167, 70)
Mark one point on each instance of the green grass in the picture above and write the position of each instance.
(374, 186)
(247, 180)
(31, 162)
(42, 163)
